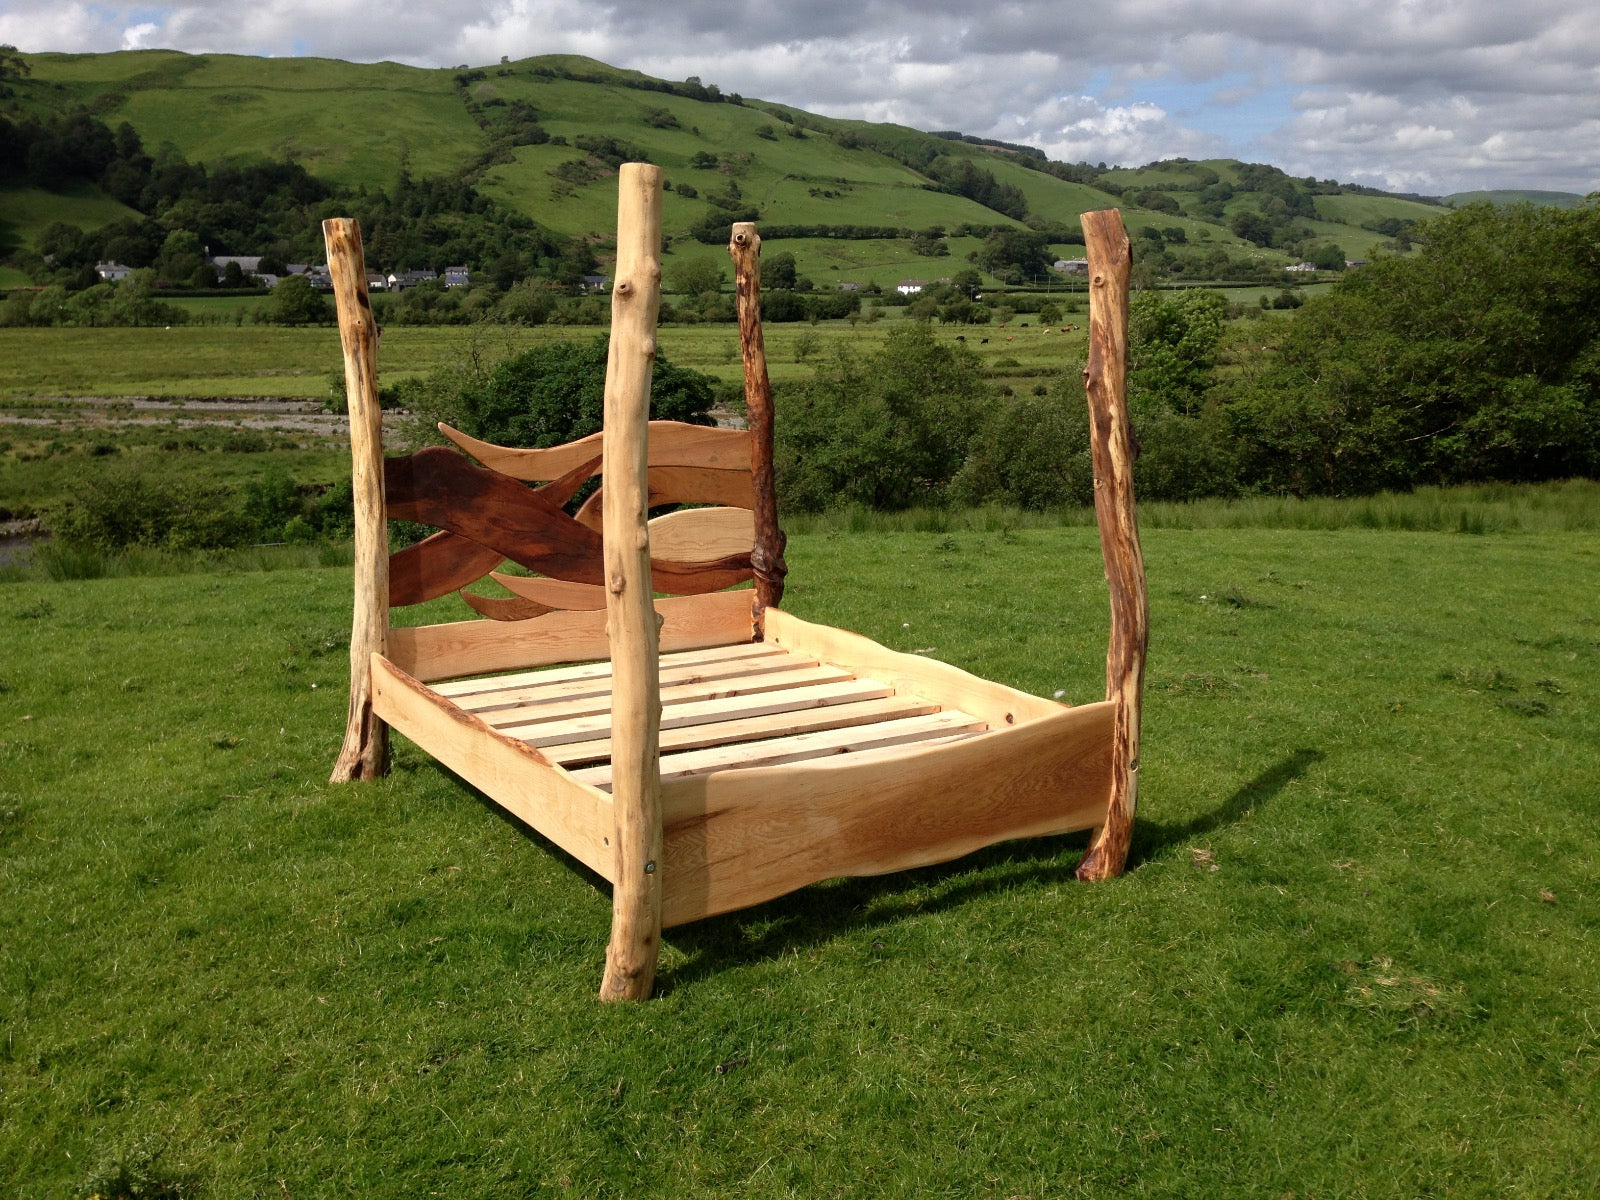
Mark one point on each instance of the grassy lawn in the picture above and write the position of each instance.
(1355, 954)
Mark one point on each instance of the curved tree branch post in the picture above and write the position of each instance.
(1105, 380)
(766, 558)
(631, 622)
(365, 753)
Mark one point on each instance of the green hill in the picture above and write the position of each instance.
(1507, 196)
(542, 136)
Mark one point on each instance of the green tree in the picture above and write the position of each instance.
(695, 277)
(553, 394)
(887, 429)
(295, 302)
(1478, 357)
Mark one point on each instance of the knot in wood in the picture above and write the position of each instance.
(624, 288)
(616, 583)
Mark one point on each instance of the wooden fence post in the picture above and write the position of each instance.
(1105, 382)
(365, 753)
(766, 557)
(631, 621)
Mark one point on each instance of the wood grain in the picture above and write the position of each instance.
(702, 534)
(515, 775)
(766, 557)
(683, 485)
(1105, 384)
(738, 837)
(672, 444)
(631, 619)
(1001, 706)
(449, 651)
(365, 751)
(439, 564)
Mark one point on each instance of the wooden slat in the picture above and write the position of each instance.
(785, 723)
(601, 701)
(710, 654)
(702, 534)
(431, 652)
(737, 837)
(915, 673)
(749, 706)
(672, 444)
(514, 775)
(800, 747)
(539, 692)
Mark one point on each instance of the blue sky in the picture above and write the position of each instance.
(1432, 96)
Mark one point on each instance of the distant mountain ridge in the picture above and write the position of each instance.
(542, 136)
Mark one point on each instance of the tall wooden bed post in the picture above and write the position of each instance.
(365, 753)
(1105, 382)
(766, 556)
(631, 622)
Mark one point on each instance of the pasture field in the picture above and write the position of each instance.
(204, 361)
(1354, 956)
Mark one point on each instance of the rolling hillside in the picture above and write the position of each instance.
(541, 136)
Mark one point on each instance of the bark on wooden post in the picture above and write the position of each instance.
(766, 558)
(365, 753)
(1105, 381)
(631, 620)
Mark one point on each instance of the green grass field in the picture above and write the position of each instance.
(1355, 954)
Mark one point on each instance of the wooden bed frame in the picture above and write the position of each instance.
(706, 751)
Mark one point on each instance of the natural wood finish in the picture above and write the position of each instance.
(802, 747)
(702, 534)
(505, 608)
(1105, 382)
(589, 701)
(439, 486)
(995, 703)
(737, 837)
(537, 692)
(439, 564)
(631, 619)
(449, 651)
(683, 485)
(783, 723)
(483, 686)
(554, 593)
(512, 773)
(672, 444)
(742, 706)
(766, 557)
(365, 751)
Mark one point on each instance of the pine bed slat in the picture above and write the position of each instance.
(784, 723)
(802, 747)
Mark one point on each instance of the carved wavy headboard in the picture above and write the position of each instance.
(486, 514)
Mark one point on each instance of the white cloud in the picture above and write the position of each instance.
(1436, 95)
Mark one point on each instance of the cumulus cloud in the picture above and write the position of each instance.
(1427, 95)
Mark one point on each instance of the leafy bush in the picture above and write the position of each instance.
(551, 394)
(1031, 453)
(123, 507)
(888, 430)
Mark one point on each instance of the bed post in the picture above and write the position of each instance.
(766, 556)
(365, 753)
(1105, 381)
(631, 621)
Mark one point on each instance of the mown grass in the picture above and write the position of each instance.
(1354, 956)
